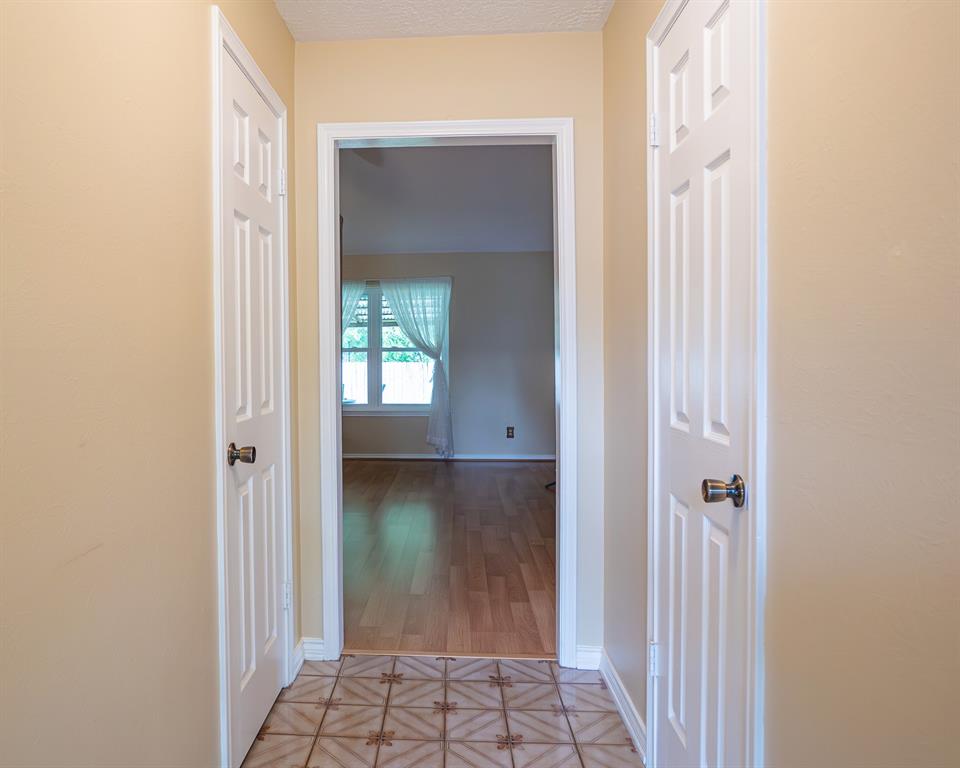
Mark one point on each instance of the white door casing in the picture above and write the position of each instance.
(250, 284)
(558, 132)
(706, 386)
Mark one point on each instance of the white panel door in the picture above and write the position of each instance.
(253, 391)
(704, 209)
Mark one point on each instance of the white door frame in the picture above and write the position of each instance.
(553, 131)
(225, 38)
(756, 296)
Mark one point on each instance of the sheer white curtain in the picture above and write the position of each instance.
(352, 291)
(422, 310)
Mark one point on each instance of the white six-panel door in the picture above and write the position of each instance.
(253, 391)
(705, 218)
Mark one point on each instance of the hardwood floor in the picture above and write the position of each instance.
(449, 558)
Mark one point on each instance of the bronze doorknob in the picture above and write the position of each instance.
(245, 455)
(714, 491)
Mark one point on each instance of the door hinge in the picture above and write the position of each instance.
(287, 594)
(653, 658)
(654, 134)
(283, 182)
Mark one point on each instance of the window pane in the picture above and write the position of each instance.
(407, 378)
(390, 333)
(355, 337)
(354, 373)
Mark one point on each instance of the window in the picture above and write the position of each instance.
(382, 369)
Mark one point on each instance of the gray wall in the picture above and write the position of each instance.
(501, 355)
(476, 199)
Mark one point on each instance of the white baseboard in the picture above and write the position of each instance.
(456, 457)
(296, 663)
(588, 656)
(313, 650)
(628, 710)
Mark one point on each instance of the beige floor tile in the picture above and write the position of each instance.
(396, 753)
(565, 675)
(608, 756)
(546, 756)
(360, 690)
(539, 726)
(294, 718)
(343, 753)
(414, 723)
(531, 696)
(325, 668)
(477, 755)
(308, 689)
(590, 698)
(526, 671)
(278, 752)
(366, 666)
(599, 728)
(474, 695)
(416, 693)
(347, 720)
(420, 667)
(475, 724)
(471, 669)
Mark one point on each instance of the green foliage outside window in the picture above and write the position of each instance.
(392, 336)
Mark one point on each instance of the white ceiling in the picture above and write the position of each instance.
(357, 19)
(459, 199)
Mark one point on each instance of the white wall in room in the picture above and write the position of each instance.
(501, 355)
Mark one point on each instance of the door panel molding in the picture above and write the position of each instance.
(275, 382)
(710, 99)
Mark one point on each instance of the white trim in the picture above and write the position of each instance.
(555, 131)
(296, 660)
(629, 713)
(757, 296)
(386, 410)
(652, 379)
(756, 601)
(588, 656)
(223, 36)
(456, 457)
(314, 650)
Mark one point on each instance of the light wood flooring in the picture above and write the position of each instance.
(449, 558)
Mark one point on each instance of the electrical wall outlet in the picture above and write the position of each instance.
(510, 433)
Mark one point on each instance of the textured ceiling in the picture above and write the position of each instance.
(466, 199)
(357, 19)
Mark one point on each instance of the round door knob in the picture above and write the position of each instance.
(245, 455)
(714, 491)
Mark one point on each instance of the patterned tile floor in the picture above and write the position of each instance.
(425, 712)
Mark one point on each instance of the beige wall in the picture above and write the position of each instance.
(107, 564)
(625, 341)
(459, 78)
(863, 622)
(108, 616)
(501, 355)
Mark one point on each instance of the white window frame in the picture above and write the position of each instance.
(375, 349)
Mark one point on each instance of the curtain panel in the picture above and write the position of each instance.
(351, 292)
(421, 307)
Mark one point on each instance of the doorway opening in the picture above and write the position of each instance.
(446, 532)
